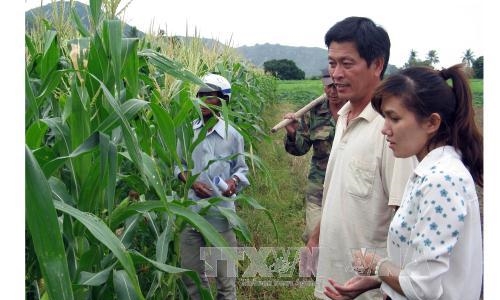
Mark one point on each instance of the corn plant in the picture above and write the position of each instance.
(103, 118)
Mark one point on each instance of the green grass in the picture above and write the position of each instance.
(477, 91)
(301, 92)
(284, 199)
(298, 92)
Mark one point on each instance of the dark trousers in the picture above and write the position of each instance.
(191, 242)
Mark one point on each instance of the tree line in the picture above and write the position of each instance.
(474, 65)
(286, 69)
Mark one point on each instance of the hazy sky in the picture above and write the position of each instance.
(449, 27)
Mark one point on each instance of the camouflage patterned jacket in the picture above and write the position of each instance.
(316, 129)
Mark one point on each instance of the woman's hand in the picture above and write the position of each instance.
(351, 289)
(364, 263)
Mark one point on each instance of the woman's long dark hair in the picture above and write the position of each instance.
(425, 91)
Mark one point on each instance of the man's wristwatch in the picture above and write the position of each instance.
(236, 180)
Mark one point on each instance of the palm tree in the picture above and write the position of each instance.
(468, 57)
(432, 57)
(412, 60)
(413, 56)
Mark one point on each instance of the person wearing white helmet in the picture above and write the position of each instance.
(217, 87)
(216, 83)
(218, 157)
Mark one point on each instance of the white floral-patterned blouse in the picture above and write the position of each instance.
(435, 236)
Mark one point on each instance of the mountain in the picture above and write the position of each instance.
(82, 10)
(309, 59)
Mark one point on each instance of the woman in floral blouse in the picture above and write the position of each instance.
(434, 243)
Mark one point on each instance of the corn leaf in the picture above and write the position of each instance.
(32, 106)
(138, 257)
(112, 35)
(120, 214)
(164, 155)
(79, 120)
(102, 233)
(184, 113)
(59, 191)
(34, 134)
(92, 258)
(237, 223)
(29, 45)
(129, 229)
(197, 221)
(130, 139)
(169, 66)
(95, 279)
(43, 155)
(78, 22)
(44, 230)
(109, 154)
(95, 11)
(167, 129)
(50, 54)
(79, 124)
(130, 67)
(154, 176)
(91, 198)
(130, 108)
(163, 242)
(124, 289)
(61, 130)
(98, 65)
(155, 285)
(50, 84)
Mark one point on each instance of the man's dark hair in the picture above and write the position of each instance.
(371, 41)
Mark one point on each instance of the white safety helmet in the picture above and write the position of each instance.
(216, 83)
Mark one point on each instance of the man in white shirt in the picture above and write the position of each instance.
(218, 156)
(364, 181)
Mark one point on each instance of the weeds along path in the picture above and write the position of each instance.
(285, 198)
(285, 202)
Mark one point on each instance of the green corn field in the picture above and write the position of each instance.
(103, 116)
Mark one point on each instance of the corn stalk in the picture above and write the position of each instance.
(103, 118)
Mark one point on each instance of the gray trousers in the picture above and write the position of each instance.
(191, 241)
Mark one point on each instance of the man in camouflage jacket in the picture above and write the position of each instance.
(315, 129)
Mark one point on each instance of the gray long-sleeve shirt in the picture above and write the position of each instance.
(226, 150)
